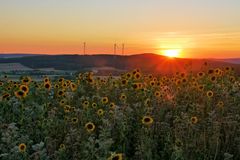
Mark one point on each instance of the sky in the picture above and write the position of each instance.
(199, 28)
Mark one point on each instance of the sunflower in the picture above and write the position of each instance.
(46, 80)
(200, 74)
(63, 102)
(1, 83)
(118, 156)
(24, 88)
(73, 86)
(123, 97)
(22, 147)
(56, 86)
(20, 94)
(147, 120)
(194, 120)
(209, 94)
(75, 120)
(220, 104)
(85, 104)
(6, 96)
(26, 80)
(227, 69)
(112, 105)
(67, 108)
(217, 70)
(62, 146)
(94, 105)
(152, 83)
(124, 82)
(183, 75)
(184, 80)
(157, 94)
(178, 143)
(61, 80)
(213, 78)
(232, 78)
(128, 75)
(210, 71)
(137, 75)
(47, 85)
(90, 127)
(135, 86)
(104, 100)
(178, 82)
(60, 93)
(100, 112)
(200, 87)
(147, 102)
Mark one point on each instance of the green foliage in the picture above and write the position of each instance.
(135, 116)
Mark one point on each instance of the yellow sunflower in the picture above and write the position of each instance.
(85, 104)
(89, 127)
(118, 156)
(22, 147)
(194, 120)
(20, 94)
(100, 112)
(105, 100)
(24, 88)
(47, 85)
(62, 146)
(75, 120)
(209, 94)
(147, 120)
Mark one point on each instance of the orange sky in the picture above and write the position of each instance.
(201, 29)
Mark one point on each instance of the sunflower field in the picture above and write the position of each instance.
(186, 116)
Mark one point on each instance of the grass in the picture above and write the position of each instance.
(135, 116)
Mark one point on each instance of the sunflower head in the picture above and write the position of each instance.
(118, 156)
(73, 86)
(194, 120)
(112, 105)
(63, 102)
(105, 100)
(209, 94)
(147, 120)
(60, 93)
(85, 104)
(75, 120)
(123, 97)
(20, 94)
(6, 96)
(46, 80)
(22, 147)
(24, 88)
(220, 104)
(100, 112)
(124, 82)
(94, 105)
(67, 108)
(47, 85)
(90, 127)
(62, 146)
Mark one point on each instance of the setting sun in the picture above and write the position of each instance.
(172, 52)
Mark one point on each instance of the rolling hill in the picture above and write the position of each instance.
(146, 62)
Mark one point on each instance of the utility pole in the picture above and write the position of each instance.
(84, 48)
(123, 48)
(115, 48)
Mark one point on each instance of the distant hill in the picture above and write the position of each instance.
(231, 60)
(16, 55)
(149, 63)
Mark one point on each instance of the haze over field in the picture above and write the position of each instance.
(189, 28)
